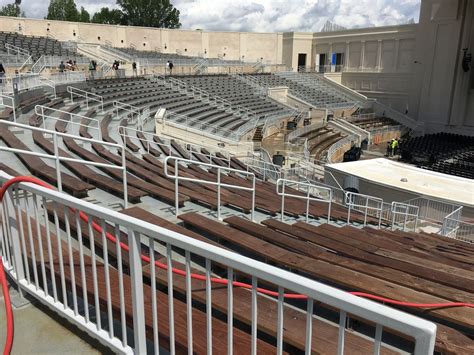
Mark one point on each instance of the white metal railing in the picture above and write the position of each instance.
(134, 112)
(312, 193)
(58, 158)
(19, 82)
(376, 133)
(341, 145)
(352, 128)
(68, 77)
(16, 50)
(193, 125)
(451, 223)
(266, 169)
(61, 285)
(46, 112)
(89, 96)
(403, 214)
(432, 210)
(49, 83)
(188, 147)
(10, 103)
(365, 204)
(217, 183)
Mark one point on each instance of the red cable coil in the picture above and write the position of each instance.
(97, 228)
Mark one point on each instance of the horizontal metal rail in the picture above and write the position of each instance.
(188, 147)
(89, 96)
(47, 282)
(59, 158)
(134, 116)
(313, 193)
(217, 183)
(408, 213)
(364, 204)
(11, 105)
(45, 113)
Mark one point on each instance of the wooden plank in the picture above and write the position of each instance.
(330, 237)
(154, 191)
(87, 174)
(315, 251)
(40, 169)
(327, 272)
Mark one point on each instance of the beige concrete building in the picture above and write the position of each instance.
(417, 68)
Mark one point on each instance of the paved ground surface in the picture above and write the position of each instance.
(37, 332)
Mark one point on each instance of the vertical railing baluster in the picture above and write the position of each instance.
(40, 246)
(30, 239)
(254, 316)
(230, 311)
(280, 321)
(208, 307)
(138, 304)
(50, 251)
(82, 266)
(189, 302)
(309, 326)
(105, 249)
(156, 341)
(60, 253)
(94, 273)
(378, 339)
(72, 268)
(169, 264)
(121, 290)
(24, 255)
(342, 332)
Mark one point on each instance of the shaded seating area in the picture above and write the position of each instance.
(442, 152)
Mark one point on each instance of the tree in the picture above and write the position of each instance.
(84, 15)
(11, 10)
(149, 13)
(108, 16)
(63, 10)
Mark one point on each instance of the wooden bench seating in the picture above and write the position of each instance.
(40, 169)
(151, 189)
(124, 134)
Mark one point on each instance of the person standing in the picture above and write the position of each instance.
(134, 68)
(171, 68)
(167, 68)
(2, 72)
(62, 67)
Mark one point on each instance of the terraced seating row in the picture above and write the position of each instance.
(237, 92)
(37, 46)
(402, 273)
(322, 96)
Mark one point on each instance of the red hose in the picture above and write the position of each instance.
(216, 280)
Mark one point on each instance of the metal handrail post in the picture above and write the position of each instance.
(219, 194)
(58, 163)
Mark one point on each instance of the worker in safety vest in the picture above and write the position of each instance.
(394, 146)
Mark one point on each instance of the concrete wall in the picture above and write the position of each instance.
(235, 45)
(442, 93)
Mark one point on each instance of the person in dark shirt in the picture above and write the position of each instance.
(2, 72)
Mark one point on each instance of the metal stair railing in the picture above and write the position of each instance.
(16, 50)
(89, 96)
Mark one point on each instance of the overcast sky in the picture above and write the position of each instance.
(269, 15)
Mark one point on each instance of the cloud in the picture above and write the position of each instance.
(268, 15)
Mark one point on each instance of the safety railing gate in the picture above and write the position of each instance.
(58, 158)
(148, 139)
(89, 96)
(43, 260)
(217, 183)
(46, 114)
(8, 101)
(369, 206)
(451, 223)
(404, 214)
(133, 112)
(312, 193)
